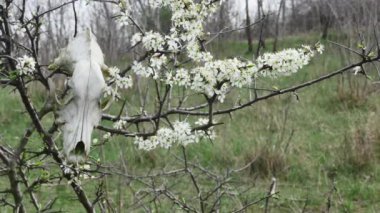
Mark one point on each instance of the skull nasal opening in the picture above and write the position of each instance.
(79, 148)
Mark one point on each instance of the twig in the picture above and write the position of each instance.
(75, 20)
(255, 202)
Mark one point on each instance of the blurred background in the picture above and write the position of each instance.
(347, 19)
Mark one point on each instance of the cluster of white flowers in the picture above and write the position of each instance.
(119, 82)
(216, 77)
(206, 75)
(84, 175)
(106, 136)
(25, 65)
(140, 69)
(209, 76)
(187, 18)
(120, 124)
(156, 63)
(166, 137)
(136, 38)
(173, 43)
(357, 70)
(110, 91)
(202, 121)
(152, 41)
(319, 48)
(194, 52)
(123, 18)
(210, 133)
(181, 77)
(286, 62)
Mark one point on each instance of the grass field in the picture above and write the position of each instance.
(328, 136)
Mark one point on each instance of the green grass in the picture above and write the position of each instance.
(314, 145)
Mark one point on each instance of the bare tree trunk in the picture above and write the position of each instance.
(110, 37)
(277, 25)
(259, 6)
(248, 29)
(283, 19)
(62, 25)
(50, 51)
(263, 22)
(325, 24)
(15, 189)
(325, 18)
(293, 15)
(221, 20)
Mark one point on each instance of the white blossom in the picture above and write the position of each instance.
(209, 133)
(142, 70)
(153, 41)
(285, 62)
(216, 77)
(86, 166)
(194, 52)
(120, 82)
(25, 65)
(182, 77)
(85, 175)
(158, 61)
(357, 70)
(95, 141)
(206, 75)
(173, 43)
(320, 48)
(202, 121)
(113, 71)
(181, 133)
(123, 17)
(136, 38)
(169, 78)
(110, 91)
(120, 124)
(106, 136)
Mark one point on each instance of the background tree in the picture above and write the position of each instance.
(248, 30)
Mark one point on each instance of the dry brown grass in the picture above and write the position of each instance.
(360, 148)
(354, 90)
(267, 161)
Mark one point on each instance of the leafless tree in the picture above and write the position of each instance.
(280, 9)
(248, 30)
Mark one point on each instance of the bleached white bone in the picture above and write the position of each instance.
(84, 58)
